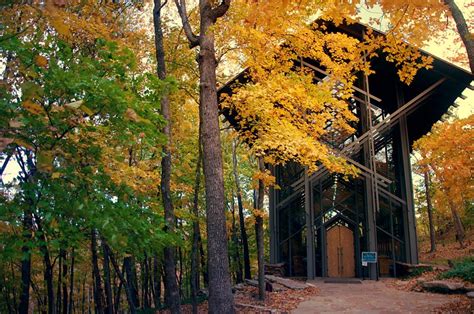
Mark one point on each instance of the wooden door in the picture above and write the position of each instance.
(340, 252)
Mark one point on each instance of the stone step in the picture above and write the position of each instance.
(443, 286)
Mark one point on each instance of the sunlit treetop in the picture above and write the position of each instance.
(448, 152)
(283, 112)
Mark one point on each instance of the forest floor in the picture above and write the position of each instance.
(246, 301)
(452, 303)
(446, 249)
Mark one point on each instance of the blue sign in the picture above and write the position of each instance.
(369, 257)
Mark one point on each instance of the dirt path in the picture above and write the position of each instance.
(370, 297)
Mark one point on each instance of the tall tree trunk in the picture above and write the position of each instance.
(48, 267)
(26, 264)
(259, 233)
(196, 232)
(460, 234)
(463, 30)
(109, 306)
(181, 271)
(130, 283)
(147, 302)
(127, 285)
(58, 287)
(235, 241)
(429, 209)
(202, 259)
(118, 292)
(71, 284)
(221, 299)
(145, 284)
(243, 232)
(156, 282)
(89, 302)
(98, 294)
(172, 298)
(64, 281)
(83, 303)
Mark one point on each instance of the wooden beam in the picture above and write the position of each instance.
(309, 65)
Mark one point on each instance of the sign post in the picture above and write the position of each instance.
(369, 257)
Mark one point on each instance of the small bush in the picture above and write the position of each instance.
(463, 269)
(419, 271)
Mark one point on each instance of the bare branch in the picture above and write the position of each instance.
(193, 39)
(220, 10)
(463, 30)
(4, 166)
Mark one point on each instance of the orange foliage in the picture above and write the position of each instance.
(448, 151)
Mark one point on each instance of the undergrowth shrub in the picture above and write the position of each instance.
(463, 269)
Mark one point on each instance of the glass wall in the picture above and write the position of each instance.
(390, 241)
(285, 176)
(292, 236)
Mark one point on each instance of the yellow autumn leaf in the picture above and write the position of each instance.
(41, 61)
(32, 107)
(62, 28)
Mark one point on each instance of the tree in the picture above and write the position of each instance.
(424, 171)
(171, 288)
(196, 233)
(220, 293)
(259, 229)
(429, 209)
(243, 231)
(281, 112)
(448, 151)
(80, 107)
(72, 111)
(463, 30)
(404, 21)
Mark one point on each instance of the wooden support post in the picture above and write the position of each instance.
(310, 257)
(371, 193)
(273, 223)
(411, 245)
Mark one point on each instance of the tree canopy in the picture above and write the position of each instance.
(114, 158)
